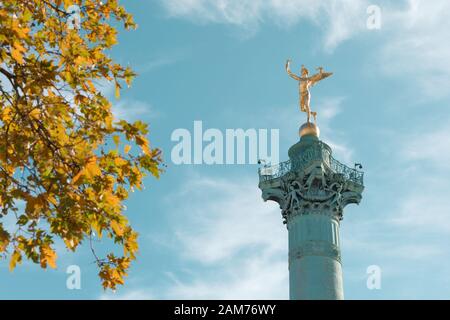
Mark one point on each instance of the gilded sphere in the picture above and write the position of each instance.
(309, 128)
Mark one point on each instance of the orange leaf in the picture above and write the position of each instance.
(17, 55)
(77, 176)
(48, 257)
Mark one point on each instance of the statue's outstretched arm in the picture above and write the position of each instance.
(319, 77)
(288, 70)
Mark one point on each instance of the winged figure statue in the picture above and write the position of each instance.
(305, 82)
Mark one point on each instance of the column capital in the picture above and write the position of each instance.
(311, 182)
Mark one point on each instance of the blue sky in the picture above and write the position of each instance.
(204, 230)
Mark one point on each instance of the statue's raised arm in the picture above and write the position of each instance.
(288, 70)
(319, 76)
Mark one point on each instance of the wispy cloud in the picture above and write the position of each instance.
(132, 110)
(408, 222)
(414, 33)
(425, 212)
(425, 205)
(160, 61)
(416, 45)
(236, 242)
(126, 108)
(339, 19)
(329, 108)
(430, 145)
(289, 119)
(251, 278)
(249, 218)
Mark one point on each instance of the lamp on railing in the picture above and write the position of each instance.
(265, 170)
(358, 166)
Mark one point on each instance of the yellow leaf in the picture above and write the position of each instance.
(112, 199)
(116, 140)
(117, 228)
(127, 148)
(117, 91)
(128, 75)
(35, 113)
(68, 76)
(131, 245)
(143, 143)
(4, 238)
(52, 200)
(120, 162)
(15, 258)
(71, 243)
(6, 114)
(60, 132)
(97, 228)
(92, 169)
(89, 171)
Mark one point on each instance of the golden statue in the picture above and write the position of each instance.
(304, 83)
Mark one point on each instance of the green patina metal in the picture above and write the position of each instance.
(317, 152)
(312, 189)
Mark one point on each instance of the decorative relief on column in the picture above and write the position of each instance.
(311, 182)
(314, 191)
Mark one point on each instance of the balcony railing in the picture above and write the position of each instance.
(268, 173)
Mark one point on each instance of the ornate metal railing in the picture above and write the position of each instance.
(349, 173)
(268, 173)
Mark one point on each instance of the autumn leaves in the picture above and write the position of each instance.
(63, 154)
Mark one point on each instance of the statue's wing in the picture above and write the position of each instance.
(320, 76)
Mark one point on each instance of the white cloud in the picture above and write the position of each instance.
(328, 108)
(344, 20)
(132, 110)
(388, 238)
(425, 205)
(413, 226)
(251, 278)
(340, 19)
(417, 46)
(125, 108)
(431, 146)
(161, 61)
(414, 33)
(425, 211)
(219, 229)
(418, 173)
(236, 241)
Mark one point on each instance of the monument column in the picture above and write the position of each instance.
(312, 189)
